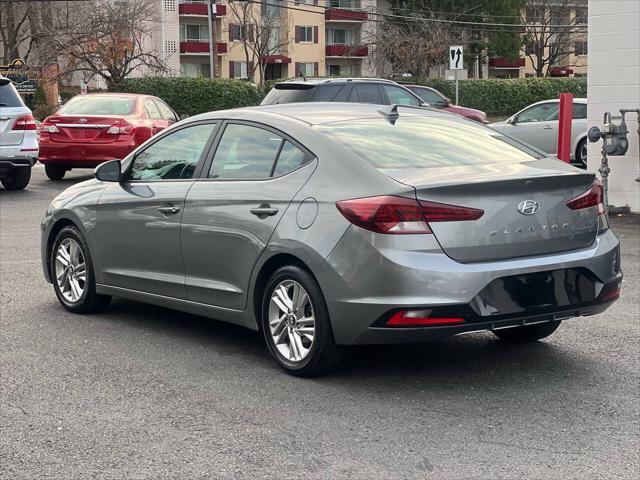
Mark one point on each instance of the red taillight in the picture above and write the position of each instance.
(26, 122)
(401, 215)
(420, 318)
(610, 296)
(120, 130)
(594, 197)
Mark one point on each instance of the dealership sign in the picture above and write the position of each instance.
(15, 72)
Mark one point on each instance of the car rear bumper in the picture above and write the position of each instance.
(8, 164)
(82, 155)
(369, 277)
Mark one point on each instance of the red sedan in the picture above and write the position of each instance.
(436, 100)
(91, 129)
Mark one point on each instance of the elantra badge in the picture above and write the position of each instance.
(528, 207)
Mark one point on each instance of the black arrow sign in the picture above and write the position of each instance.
(456, 55)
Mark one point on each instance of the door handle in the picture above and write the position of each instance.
(548, 127)
(169, 210)
(264, 210)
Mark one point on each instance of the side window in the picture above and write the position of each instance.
(245, 151)
(353, 96)
(429, 96)
(165, 111)
(369, 93)
(579, 111)
(539, 113)
(290, 158)
(399, 96)
(326, 93)
(174, 156)
(151, 110)
(343, 94)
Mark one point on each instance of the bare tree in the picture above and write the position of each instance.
(264, 30)
(411, 47)
(552, 29)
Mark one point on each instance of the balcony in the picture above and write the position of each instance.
(196, 8)
(343, 15)
(201, 47)
(506, 63)
(346, 51)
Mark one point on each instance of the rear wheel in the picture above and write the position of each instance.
(17, 179)
(55, 172)
(581, 153)
(527, 333)
(296, 325)
(72, 273)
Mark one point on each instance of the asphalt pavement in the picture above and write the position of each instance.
(144, 392)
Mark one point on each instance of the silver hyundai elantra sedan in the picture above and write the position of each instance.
(325, 225)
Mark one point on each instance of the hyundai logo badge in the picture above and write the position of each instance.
(528, 207)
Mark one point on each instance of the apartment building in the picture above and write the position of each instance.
(309, 37)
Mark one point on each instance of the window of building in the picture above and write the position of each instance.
(340, 70)
(273, 44)
(305, 69)
(304, 34)
(581, 15)
(194, 33)
(347, 4)
(581, 47)
(535, 15)
(238, 31)
(195, 69)
(239, 70)
(271, 9)
(530, 48)
(340, 36)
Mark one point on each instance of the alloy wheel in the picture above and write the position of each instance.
(582, 152)
(291, 320)
(71, 270)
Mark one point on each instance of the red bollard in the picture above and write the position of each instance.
(565, 117)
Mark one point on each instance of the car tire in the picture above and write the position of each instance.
(302, 342)
(75, 289)
(55, 172)
(581, 153)
(18, 179)
(527, 333)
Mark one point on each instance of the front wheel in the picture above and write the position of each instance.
(527, 333)
(18, 179)
(72, 273)
(296, 324)
(55, 172)
(581, 153)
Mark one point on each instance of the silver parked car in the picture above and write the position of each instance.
(537, 125)
(324, 225)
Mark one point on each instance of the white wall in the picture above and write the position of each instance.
(614, 83)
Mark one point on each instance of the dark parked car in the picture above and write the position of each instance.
(437, 100)
(352, 90)
(332, 224)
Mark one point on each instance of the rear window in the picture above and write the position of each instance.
(9, 97)
(85, 105)
(424, 142)
(288, 94)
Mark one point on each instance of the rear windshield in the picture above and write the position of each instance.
(288, 94)
(84, 105)
(9, 97)
(425, 142)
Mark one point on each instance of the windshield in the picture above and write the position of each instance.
(106, 105)
(424, 142)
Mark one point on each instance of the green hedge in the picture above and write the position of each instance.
(494, 96)
(196, 95)
(506, 96)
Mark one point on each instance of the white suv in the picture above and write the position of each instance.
(18, 138)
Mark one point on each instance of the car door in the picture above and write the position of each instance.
(232, 211)
(138, 220)
(537, 126)
(153, 113)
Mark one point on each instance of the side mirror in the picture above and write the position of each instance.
(425, 104)
(448, 100)
(184, 116)
(109, 171)
(512, 121)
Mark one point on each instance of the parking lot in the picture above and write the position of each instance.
(141, 391)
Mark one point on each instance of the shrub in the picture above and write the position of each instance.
(192, 96)
(506, 96)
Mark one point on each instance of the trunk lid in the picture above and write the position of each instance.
(83, 128)
(504, 232)
(8, 116)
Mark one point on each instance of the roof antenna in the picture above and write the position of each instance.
(391, 113)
